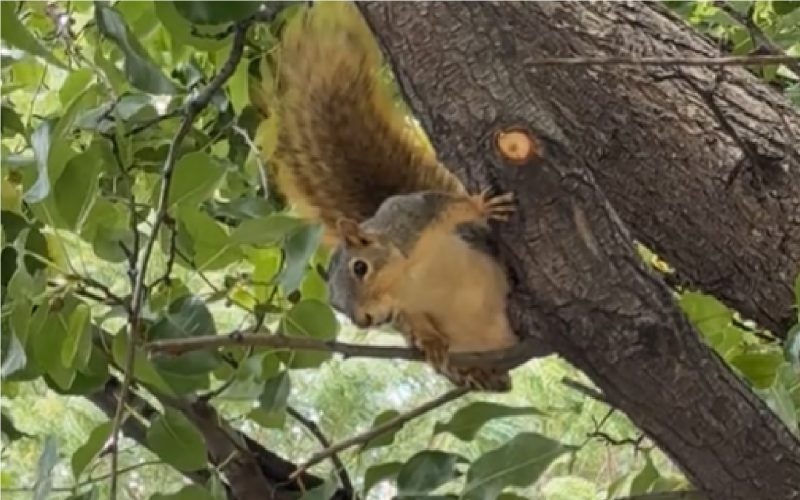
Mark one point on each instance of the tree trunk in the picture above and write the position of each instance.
(578, 285)
(720, 204)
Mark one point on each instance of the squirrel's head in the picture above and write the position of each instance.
(361, 275)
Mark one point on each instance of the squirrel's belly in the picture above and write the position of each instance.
(465, 291)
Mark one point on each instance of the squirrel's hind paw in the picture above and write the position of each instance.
(480, 379)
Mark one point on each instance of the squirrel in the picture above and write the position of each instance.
(405, 231)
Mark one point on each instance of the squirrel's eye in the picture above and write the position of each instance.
(360, 268)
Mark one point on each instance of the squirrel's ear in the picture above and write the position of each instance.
(352, 235)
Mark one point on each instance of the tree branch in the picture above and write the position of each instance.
(585, 389)
(106, 400)
(507, 358)
(314, 429)
(387, 426)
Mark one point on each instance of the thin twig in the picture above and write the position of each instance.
(585, 389)
(110, 297)
(153, 121)
(171, 252)
(190, 111)
(636, 443)
(506, 358)
(387, 426)
(262, 169)
(314, 429)
(90, 480)
(751, 60)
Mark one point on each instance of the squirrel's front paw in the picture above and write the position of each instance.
(499, 207)
(436, 352)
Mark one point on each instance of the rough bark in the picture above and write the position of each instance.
(578, 285)
(724, 211)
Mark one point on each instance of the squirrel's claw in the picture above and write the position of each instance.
(480, 379)
(499, 207)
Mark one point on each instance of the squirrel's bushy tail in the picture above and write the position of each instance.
(343, 145)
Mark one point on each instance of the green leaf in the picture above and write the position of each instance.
(386, 438)
(324, 491)
(209, 12)
(266, 264)
(518, 463)
(426, 471)
(298, 250)
(44, 469)
(565, 488)
(467, 421)
(196, 177)
(797, 295)
(136, 108)
(14, 358)
(10, 431)
(106, 227)
(75, 83)
(244, 208)
(47, 343)
(759, 367)
(644, 480)
(143, 368)
(309, 318)
(188, 316)
(276, 393)
(269, 230)
(380, 472)
(11, 122)
(238, 88)
(784, 7)
(40, 141)
(76, 188)
(779, 399)
(87, 452)
(272, 401)
(216, 488)
(16, 35)
(77, 346)
(211, 247)
(190, 492)
(92, 494)
(115, 77)
(89, 379)
(251, 374)
(140, 70)
(187, 372)
(791, 348)
(181, 30)
(706, 313)
(177, 441)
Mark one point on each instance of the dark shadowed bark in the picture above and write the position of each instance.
(252, 471)
(577, 283)
(721, 204)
